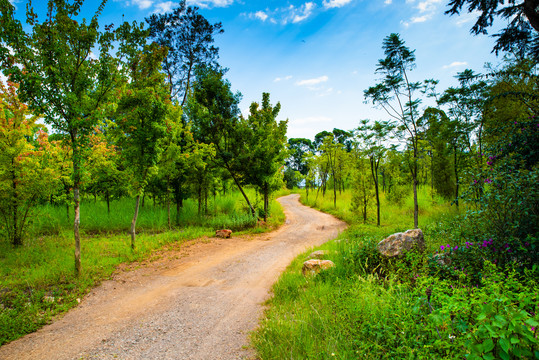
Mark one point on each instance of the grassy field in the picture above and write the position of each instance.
(368, 307)
(37, 280)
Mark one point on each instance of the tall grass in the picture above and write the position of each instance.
(37, 280)
(227, 210)
(350, 312)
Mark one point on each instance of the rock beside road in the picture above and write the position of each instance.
(399, 243)
(224, 233)
(314, 266)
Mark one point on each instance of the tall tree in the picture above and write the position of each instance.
(189, 38)
(396, 94)
(141, 115)
(266, 149)
(213, 113)
(60, 76)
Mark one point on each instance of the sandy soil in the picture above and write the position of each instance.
(200, 301)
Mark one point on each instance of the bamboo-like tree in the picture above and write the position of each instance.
(397, 95)
(373, 139)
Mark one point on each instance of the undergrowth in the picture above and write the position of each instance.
(412, 307)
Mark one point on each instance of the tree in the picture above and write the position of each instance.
(465, 107)
(23, 178)
(104, 175)
(372, 138)
(298, 148)
(213, 113)
(60, 76)
(266, 149)
(189, 39)
(395, 94)
(441, 138)
(141, 114)
(334, 154)
(523, 22)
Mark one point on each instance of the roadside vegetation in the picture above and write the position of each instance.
(371, 307)
(37, 280)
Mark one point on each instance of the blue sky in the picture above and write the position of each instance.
(316, 57)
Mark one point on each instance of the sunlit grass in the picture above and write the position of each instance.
(343, 315)
(43, 268)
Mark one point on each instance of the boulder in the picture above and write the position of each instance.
(314, 266)
(224, 233)
(399, 243)
(319, 254)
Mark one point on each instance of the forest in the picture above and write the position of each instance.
(111, 135)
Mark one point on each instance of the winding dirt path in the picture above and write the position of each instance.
(199, 302)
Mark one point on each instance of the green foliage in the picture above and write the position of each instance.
(24, 173)
(188, 36)
(265, 140)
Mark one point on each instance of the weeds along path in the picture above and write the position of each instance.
(200, 302)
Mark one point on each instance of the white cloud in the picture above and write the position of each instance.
(302, 13)
(426, 10)
(261, 15)
(210, 3)
(455, 64)
(311, 82)
(388, 2)
(142, 4)
(286, 15)
(428, 5)
(281, 79)
(419, 19)
(325, 92)
(328, 4)
(164, 7)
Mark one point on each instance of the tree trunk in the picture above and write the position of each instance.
(16, 237)
(266, 201)
(178, 193)
(374, 172)
(107, 197)
(134, 222)
(456, 178)
(199, 196)
(76, 202)
(168, 205)
(416, 206)
(206, 201)
(241, 190)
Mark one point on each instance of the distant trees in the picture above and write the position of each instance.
(373, 138)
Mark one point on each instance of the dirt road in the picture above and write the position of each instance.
(200, 302)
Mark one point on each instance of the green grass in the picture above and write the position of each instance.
(43, 268)
(368, 307)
